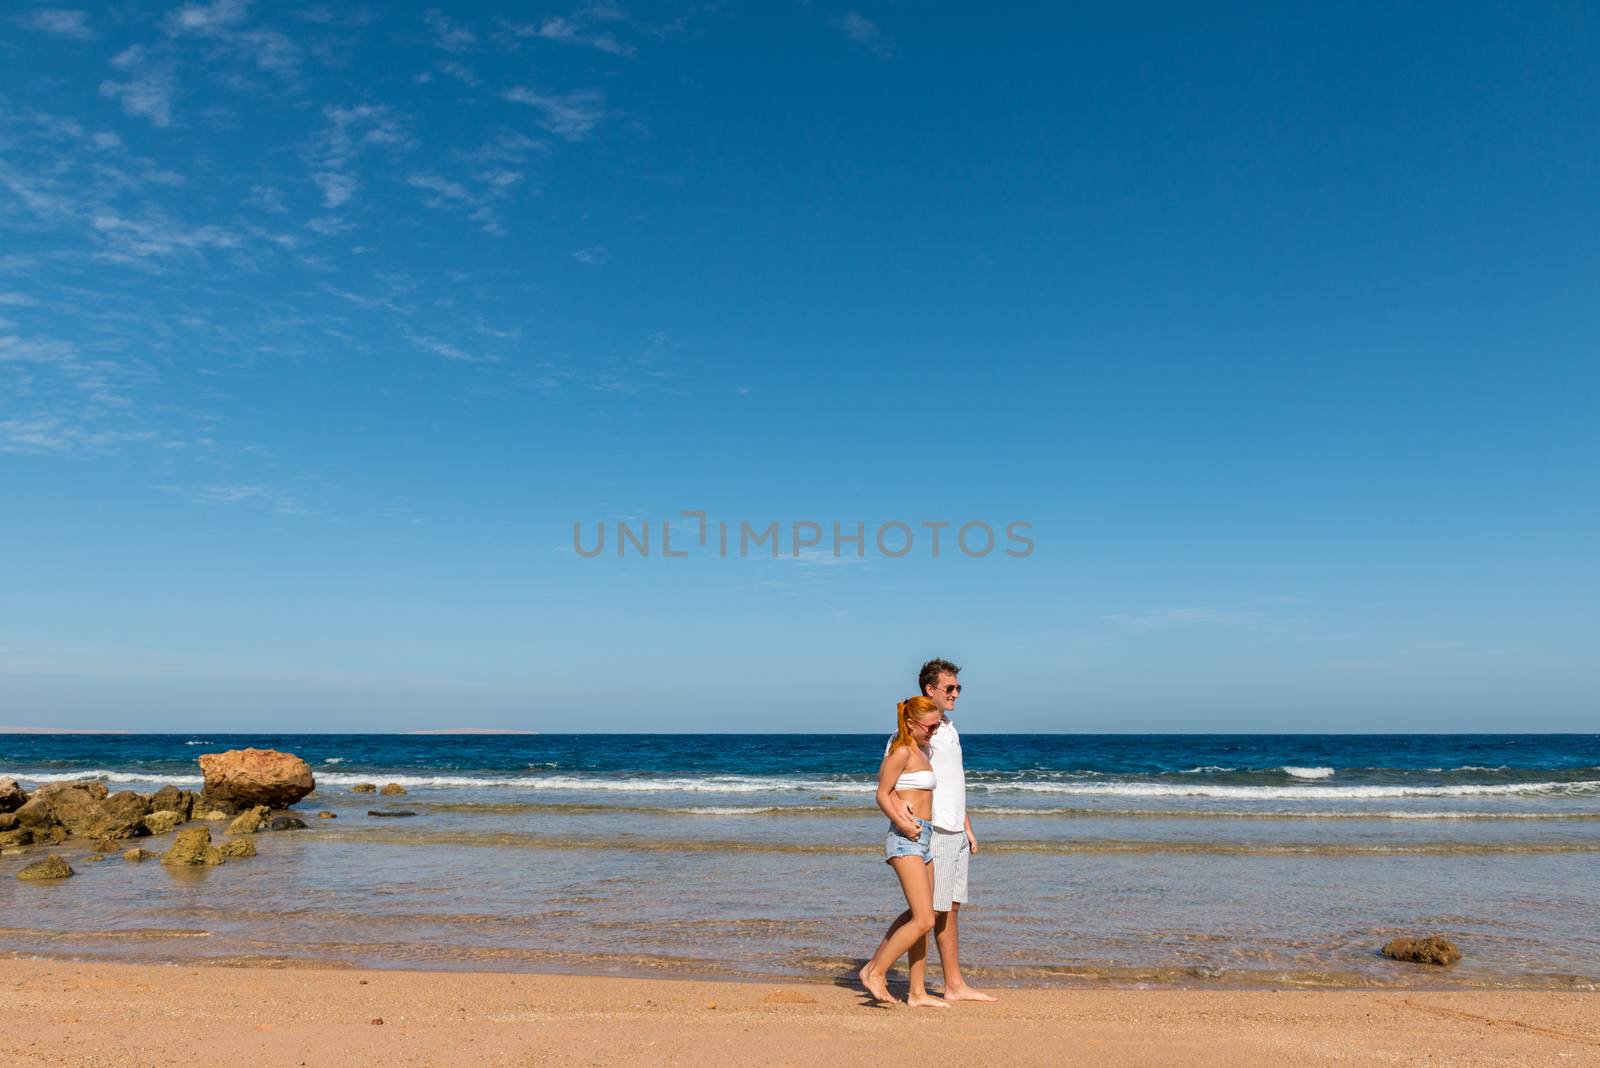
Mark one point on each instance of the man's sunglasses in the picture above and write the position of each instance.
(954, 687)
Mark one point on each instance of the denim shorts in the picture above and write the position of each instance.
(898, 845)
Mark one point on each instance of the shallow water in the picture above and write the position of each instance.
(705, 856)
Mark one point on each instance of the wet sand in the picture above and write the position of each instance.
(79, 1015)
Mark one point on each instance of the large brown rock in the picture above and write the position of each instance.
(238, 847)
(75, 806)
(11, 795)
(17, 836)
(9, 821)
(248, 777)
(192, 847)
(48, 868)
(1431, 950)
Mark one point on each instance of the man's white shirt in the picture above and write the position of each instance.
(950, 785)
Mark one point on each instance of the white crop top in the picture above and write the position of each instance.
(915, 780)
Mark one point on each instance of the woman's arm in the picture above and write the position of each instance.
(894, 762)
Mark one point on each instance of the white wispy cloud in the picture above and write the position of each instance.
(449, 34)
(863, 31)
(571, 116)
(446, 349)
(479, 203)
(208, 18)
(149, 87)
(61, 22)
(347, 133)
(594, 256)
(281, 501)
(579, 28)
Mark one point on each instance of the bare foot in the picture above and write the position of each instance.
(967, 993)
(876, 986)
(925, 1001)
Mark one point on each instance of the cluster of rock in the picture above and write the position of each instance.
(245, 784)
(392, 789)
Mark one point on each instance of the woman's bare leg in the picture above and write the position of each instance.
(917, 962)
(918, 889)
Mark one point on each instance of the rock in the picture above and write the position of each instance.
(364, 788)
(228, 808)
(287, 823)
(327, 816)
(11, 851)
(17, 836)
(162, 821)
(172, 799)
(392, 790)
(122, 815)
(8, 821)
(92, 857)
(1430, 950)
(249, 822)
(393, 814)
(214, 814)
(192, 847)
(238, 847)
(48, 868)
(75, 806)
(256, 777)
(12, 796)
(104, 845)
(139, 854)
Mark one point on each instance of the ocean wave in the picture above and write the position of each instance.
(1304, 793)
(333, 760)
(1308, 773)
(1206, 769)
(106, 776)
(199, 743)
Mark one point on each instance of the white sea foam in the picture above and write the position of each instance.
(1309, 773)
(106, 776)
(333, 760)
(199, 743)
(1303, 793)
(1205, 769)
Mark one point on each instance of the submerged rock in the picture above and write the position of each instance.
(256, 777)
(139, 854)
(162, 821)
(394, 814)
(327, 816)
(392, 789)
(238, 847)
(364, 788)
(48, 868)
(12, 796)
(1430, 950)
(17, 836)
(287, 823)
(192, 847)
(249, 822)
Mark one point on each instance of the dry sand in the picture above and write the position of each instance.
(148, 1015)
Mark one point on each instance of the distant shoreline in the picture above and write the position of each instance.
(63, 730)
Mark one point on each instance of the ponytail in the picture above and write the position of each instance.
(906, 713)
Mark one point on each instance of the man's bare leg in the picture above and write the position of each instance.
(947, 937)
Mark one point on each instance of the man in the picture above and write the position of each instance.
(953, 840)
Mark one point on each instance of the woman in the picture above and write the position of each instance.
(905, 779)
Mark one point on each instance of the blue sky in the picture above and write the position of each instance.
(321, 325)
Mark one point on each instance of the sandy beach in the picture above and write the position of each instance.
(81, 1015)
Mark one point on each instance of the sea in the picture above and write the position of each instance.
(1132, 860)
